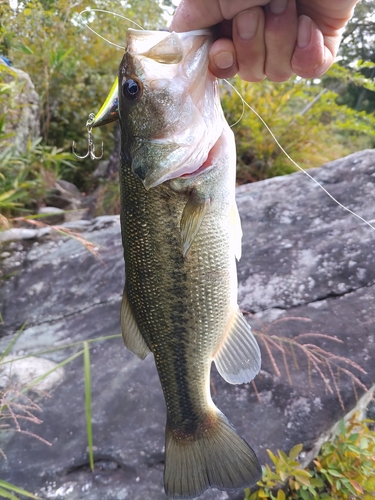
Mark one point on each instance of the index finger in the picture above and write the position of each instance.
(198, 14)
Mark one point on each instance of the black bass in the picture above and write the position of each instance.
(181, 233)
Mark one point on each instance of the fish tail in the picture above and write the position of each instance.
(217, 458)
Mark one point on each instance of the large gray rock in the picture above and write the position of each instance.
(24, 119)
(307, 266)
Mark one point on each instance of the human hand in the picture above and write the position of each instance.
(268, 38)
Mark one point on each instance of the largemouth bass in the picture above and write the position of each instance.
(181, 233)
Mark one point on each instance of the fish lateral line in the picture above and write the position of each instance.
(244, 103)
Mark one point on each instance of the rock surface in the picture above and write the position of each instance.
(24, 119)
(307, 267)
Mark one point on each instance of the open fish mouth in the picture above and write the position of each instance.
(206, 165)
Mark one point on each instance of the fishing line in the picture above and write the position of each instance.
(106, 12)
(244, 103)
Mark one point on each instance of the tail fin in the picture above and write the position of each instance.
(218, 458)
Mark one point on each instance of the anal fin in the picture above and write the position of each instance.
(130, 332)
(238, 358)
(191, 219)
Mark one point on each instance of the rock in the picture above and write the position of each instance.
(101, 169)
(24, 119)
(55, 215)
(64, 195)
(306, 278)
(23, 371)
(18, 233)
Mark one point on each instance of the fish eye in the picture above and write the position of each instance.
(131, 89)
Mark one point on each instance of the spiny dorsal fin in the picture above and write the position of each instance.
(191, 219)
(238, 358)
(130, 332)
(168, 51)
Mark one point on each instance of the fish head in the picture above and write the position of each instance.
(169, 108)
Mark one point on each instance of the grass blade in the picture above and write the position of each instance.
(4, 486)
(8, 349)
(7, 494)
(42, 377)
(64, 346)
(87, 376)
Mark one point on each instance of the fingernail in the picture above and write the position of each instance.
(278, 6)
(247, 24)
(224, 60)
(304, 31)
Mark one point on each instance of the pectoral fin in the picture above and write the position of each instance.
(130, 332)
(236, 230)
(238, 358)
(191, 220)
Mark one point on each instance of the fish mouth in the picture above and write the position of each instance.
(206, 165)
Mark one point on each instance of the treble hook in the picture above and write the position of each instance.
(90, 142)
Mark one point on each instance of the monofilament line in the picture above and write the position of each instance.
(113, 14)
(244, 103)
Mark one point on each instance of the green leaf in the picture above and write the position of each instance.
(87, 373)
(281, 495)
(295, 451)
(302, 479)
(272, 457)
(341, 426)
(23, 48)
(334, 473)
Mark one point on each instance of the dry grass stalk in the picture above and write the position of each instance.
(4, 223)
(89, 245)
(15, 408)
(324, 362)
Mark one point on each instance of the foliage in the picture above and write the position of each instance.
(288, 474)
(71, 67)
(344, 469)
(347, 464)
(25, 176)
(304, 117)
(357, 46)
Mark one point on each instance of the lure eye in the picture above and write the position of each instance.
(131, 89)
